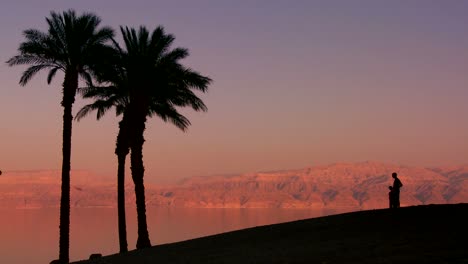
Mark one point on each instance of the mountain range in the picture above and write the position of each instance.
(338, 186)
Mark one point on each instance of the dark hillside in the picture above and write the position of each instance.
(417, 234)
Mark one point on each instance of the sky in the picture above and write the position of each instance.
(295, 84)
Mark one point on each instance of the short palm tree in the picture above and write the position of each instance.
(106, 97)
(116, 96)
(72, 44)
(146, 80)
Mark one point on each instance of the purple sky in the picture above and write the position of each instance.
(296, 83)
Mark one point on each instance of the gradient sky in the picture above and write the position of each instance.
(296, 83)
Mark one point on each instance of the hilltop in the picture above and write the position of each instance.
(417, 234)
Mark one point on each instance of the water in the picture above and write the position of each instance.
(31, 235)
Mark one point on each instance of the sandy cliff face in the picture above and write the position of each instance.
(363, 185)
(36, 189)
(357, 185)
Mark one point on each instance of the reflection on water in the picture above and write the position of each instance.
(31, 236)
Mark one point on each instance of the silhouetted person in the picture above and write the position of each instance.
(391, 198)
(396, 189)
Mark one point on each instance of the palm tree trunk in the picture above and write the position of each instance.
(122, 150)
(121, 203)
(69, 90)
(65, 198)
(138, 170)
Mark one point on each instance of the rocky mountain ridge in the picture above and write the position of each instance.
(341, 185)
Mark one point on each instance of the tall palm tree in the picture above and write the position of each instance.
(72, 44)
(150, 81)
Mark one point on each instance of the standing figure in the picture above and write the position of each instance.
(396, 189)
(391, 198)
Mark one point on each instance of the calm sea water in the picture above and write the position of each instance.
(31, 235)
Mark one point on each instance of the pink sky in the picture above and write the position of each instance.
(300, 84)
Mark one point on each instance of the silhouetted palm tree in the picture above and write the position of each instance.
(106, 97)
(147, 80)
(72, 44)
(117, 96)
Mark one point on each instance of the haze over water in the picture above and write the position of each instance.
(30, 236)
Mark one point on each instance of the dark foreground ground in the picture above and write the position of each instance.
(418, 234)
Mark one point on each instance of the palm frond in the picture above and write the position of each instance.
(31, 71)
(129, 36)
(36, 36)
(31, 59)
(84, 111)
(58, 38)
(168, 113)
(188, 98)
(101, 106)
(51, 74)
(116, 46)
(195, 80)
(175, 55)
(160, 42)
(102, 36)
(101, 92)
(86, 76)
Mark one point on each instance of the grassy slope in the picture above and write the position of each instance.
(418, 234)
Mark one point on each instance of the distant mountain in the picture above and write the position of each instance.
(41, 188)
(337, 186)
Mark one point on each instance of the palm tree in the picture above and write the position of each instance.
(147, 71)
(116, 96)
(72, 45)
(154, 70)
(104, 101)
(107, 97)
